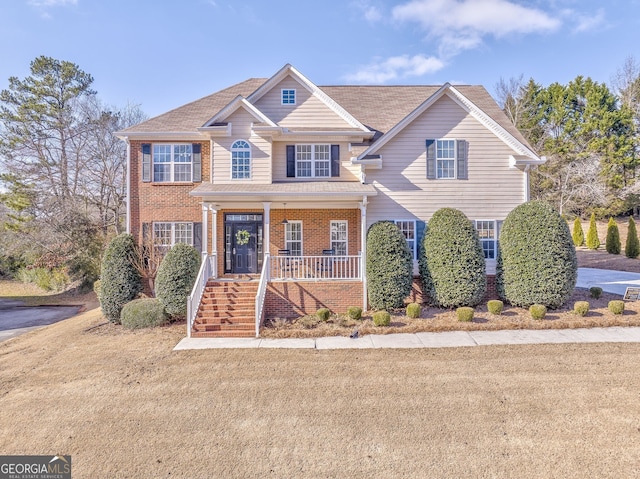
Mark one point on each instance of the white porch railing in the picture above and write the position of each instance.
(262, 291)
(208, 269)
(315, 268)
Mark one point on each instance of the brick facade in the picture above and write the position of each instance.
(291, 300)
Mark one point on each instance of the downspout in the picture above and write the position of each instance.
(363, 251)
(128, 181)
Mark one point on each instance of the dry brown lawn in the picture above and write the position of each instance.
(123, 404)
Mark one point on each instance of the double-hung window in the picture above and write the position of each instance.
(445, 158)
(408, 228)
(487, 231)
(293, 237)
(172, 162)
(240, 160)
(339, 239)
(313, 161)
(167, 234)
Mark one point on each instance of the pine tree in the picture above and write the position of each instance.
(593, 242)
(578, 233)
(632, 246)
(612, 244)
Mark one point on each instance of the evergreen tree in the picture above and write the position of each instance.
(578, 233)
(593, 242)
(612, 244)
(632, 246)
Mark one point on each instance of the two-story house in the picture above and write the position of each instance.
(277, 180)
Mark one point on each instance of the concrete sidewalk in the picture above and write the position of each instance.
(449, 339)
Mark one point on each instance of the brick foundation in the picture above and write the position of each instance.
(291, 299)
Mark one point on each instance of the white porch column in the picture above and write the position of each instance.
(214, 229)
(205, 228)
(266, 234)
(363, 251)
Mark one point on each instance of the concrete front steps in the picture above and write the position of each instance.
(227, 309)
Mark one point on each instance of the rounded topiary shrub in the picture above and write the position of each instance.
(464, 313)
(578, 233)
(632, 245)
(592, 242)
(452, 264)
(120, 281)
(538, 311)
(616, 306)
(495, 306)
(612, 244)
(581, 308)
(389, 266)
(414, 310)
(176, 275)
(354, 312)
(536, 259)
(595, 292)
(143, 313)
(381, 318)
(323, 314)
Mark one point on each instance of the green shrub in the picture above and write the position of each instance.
(495, 306)
(176, 275)
(381, 318)
(464, 313)
(578, 233)
(595, 291)
(593, 242)
(536, 259)
(616, 306)
(323, 314)
(414, 310)
(354, 312)
(120, 280)
(581, 308)
(143, 313)
(96, 288)
(632, 246)
(389, 266)
(538, 311)
(55, 279)
(613, 245)
(452, 264)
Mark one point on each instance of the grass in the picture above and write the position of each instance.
(32, 295)
(123, 404)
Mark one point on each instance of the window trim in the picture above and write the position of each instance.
(454, 159)
(415, 235)
(346, 239)
(289, 96)
(287, 243)
(235, 149)
(172, 243)
(313, 159)
(172, 163)
(494, 240)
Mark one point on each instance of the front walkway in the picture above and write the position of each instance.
(449, 339)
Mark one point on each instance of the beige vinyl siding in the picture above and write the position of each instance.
(491, 192)
(241, 122)
(308, 112)
(348, 172)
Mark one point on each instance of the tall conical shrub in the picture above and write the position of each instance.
(613, 245)
(593, 242)
(632, 246)
(578, 233)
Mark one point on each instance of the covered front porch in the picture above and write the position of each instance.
(284, 234)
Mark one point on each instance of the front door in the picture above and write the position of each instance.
(243, 244)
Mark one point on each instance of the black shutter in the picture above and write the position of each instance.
(291, 161)
(146, 162)
(197, 163)
(197, 236)
(335, 160)
(431, 159)
(462, 160)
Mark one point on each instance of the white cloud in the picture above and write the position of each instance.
(459, 25)
(396, 68)
(372, 13)
(52, 3)
(586, 23)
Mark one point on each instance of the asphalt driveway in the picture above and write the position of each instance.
(16, 319)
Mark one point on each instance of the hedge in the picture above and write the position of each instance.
(176, 275)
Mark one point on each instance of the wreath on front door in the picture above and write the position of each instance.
(242, 237)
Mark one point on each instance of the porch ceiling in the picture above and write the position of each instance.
(312, 191)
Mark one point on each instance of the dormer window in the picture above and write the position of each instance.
(288, 97)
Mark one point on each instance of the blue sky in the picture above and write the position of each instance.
(164, 53)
